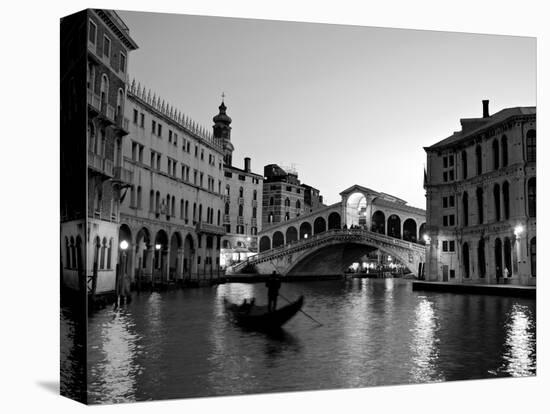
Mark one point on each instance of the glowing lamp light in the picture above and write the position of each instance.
(305, 236)
(123, 245)
(248, 239)
(157, 246)
(518, 230)
(426, 238)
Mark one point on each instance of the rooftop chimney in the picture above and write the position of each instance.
(485, 108)
(247, 164)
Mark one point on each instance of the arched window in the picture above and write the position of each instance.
(102, 254)
(479, 197)
(109, 254)
(92, 141)
(240, 210)
(167, 209)
(506, 199)
(298, 204)
(186, 210)
(173, 207)
(78, 252)
(496, 155)
(226, 208)
(255, 195)
(254, 231)
(270, 218)
(466, 260)
(479, 165)
(151, 200)
(200, 212)
(119, 101)
(104, 91)
(103, 142)
(498, 258)
(481, 258)
(241, 192)
(181, 208)
(287, 216)
(194, 212)
(67, 254)
(287, 202)
(465, 209)
(464, 165)
(531, 145)
(254, 212)
(132, 196)
(139, 197)
(271, 201)
(73, 254)
(157, 203)
(533, 254)
(508, 255)
(504, 150)
(532, 197)
(219, 217)
(496, 201)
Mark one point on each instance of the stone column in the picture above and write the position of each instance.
(179, 264)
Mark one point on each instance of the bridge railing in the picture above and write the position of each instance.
(316, 238)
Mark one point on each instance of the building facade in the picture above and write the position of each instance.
(242, 189)
(108, 48)
(481, 200)
(285, 197)
(171, 215)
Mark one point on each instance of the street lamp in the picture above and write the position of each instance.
(120, 282)
(518, 230)
(123, 245)
(305, 236)
(426, 238)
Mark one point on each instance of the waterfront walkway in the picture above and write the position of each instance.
(501, 290)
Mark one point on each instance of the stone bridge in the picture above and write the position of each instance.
(299, 257)
(363, 221)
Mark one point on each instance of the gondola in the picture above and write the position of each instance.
(258, 318)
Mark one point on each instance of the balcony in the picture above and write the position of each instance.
(240, 221)
(254, 222)
(226, 218)
(240, 200)
(123, 175)
(100, 164)
(254, 203)
(122, 123)
(226, 198)
(94, 101)
(202, 227)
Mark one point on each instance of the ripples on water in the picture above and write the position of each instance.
(375, 332)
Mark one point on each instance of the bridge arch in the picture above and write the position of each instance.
(265, 243)
(409, 230)
(410, 261)
(319, 225)
(278, 239)
(291, 234)
(334, 221)
(421, 233)
(305, 230)
(378, 222)
(394, 226)
(356, 207)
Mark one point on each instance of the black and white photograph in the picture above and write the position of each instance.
(258, 206)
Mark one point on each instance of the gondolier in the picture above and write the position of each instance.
(273, 285)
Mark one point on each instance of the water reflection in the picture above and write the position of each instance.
(116, 371)
(375, 332)
(424, 345)
(520, 346)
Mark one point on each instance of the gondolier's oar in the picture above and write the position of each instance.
(310, 317)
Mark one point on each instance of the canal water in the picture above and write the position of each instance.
(375, 332)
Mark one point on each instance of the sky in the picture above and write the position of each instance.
(343, 104)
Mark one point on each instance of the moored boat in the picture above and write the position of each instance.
(259, 318)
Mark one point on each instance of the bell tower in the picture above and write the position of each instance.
(222, 132)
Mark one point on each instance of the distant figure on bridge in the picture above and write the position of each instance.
(506, 273)
(273, 285)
